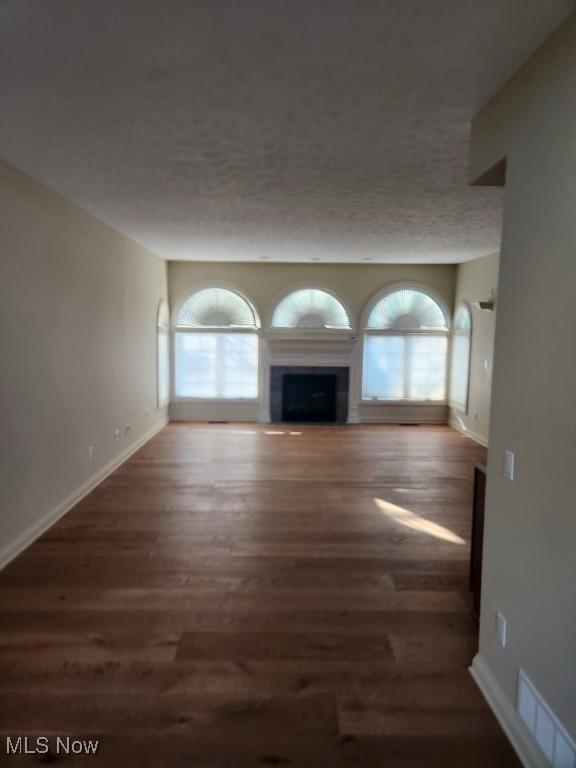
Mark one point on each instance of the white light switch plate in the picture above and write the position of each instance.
(509, 461)
(501, 629)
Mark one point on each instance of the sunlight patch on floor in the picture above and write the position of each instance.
(280, 432)
(416, 522)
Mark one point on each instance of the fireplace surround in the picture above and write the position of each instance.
(290, 381)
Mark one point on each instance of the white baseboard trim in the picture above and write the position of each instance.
(468, 433)
(14, 548)
(524, 745)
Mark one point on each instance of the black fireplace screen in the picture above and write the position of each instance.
(315, 394)
(309, 398)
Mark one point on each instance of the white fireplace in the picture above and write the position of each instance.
(310, 353)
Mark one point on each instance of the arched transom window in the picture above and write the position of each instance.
(216, 346)
(216, 308)
(405, 348)
(460, 360)
(311, 309)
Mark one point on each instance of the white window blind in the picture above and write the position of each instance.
(216, 365)
(216, 308)
(310, 308)
(163, 367)
(407, 309)
(405, 348)
(405, 367)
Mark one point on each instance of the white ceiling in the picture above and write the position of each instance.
(281, 129)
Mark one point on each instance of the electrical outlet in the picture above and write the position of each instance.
(475, 415)
(509, 462)
(116, 435)
(501, 629)
(126, 429)
(90, 452)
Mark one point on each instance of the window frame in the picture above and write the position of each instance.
(461, 407)
(220, 287)
(218, 330)
(432, 332)
(163, 330)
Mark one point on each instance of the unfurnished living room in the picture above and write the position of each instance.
(287, 321)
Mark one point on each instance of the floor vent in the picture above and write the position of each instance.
(542, 723)
(407, 424)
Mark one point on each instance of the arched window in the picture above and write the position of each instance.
(405, 348)
(310, 309)
(162, 355)
(460, 362)
(216, 346)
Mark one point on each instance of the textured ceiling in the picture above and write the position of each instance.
(280, 129)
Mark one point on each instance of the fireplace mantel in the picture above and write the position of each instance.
(310, 347)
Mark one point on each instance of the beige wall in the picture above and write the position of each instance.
(474, 281)
(530, 540)
(78, 344)
(355, 286)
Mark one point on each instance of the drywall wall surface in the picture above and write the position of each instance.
(529, 565)
(78, 345)
(474, 282)
(519, 104)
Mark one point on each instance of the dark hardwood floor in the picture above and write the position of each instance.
(241, 595)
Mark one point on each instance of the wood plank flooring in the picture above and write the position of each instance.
(235, 595)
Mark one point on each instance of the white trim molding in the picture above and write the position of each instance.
(524, 745)
(382, 412)
(215, 410)
(476, 436)
(335, 350)
(47, 520)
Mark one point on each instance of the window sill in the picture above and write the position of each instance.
(405, 402)
(207, 400)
